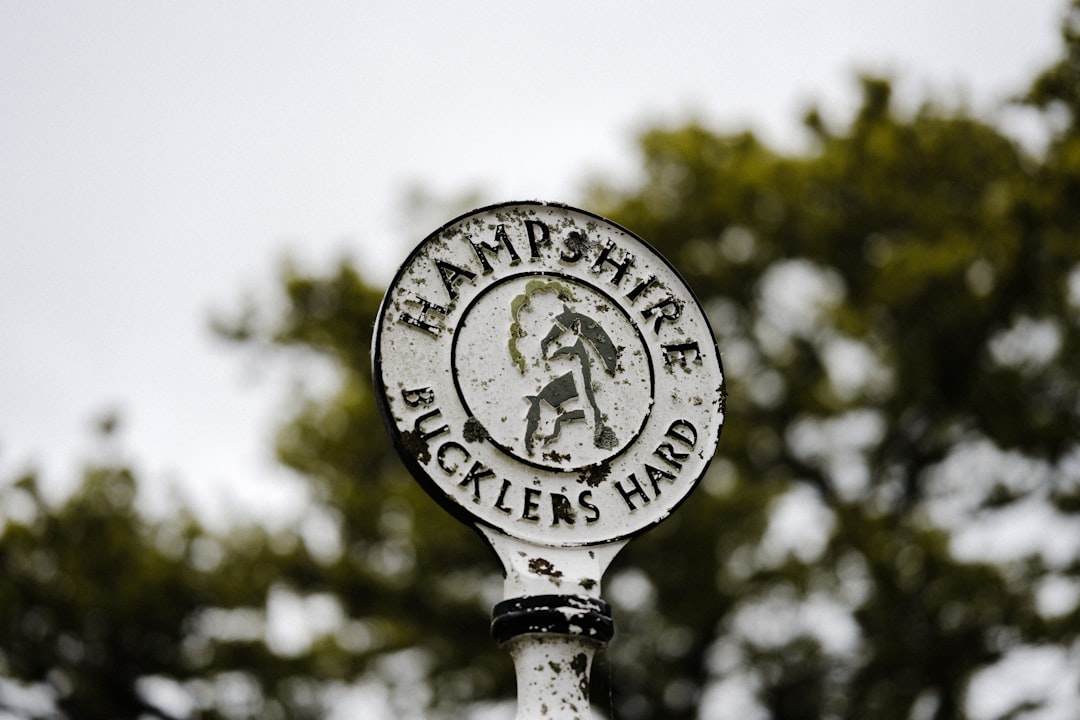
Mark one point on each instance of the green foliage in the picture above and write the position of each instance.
(931, 252)
(898, 308)
(94, 597)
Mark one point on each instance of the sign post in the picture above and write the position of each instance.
(551, 381)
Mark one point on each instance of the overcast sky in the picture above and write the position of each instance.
(157, 159)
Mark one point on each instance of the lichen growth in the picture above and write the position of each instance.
(521, 301)
(474, 431)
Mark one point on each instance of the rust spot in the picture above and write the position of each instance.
(540, 566)
(416, 446)
(594, 475)
(555, 667)
(580, 665)
(588, 583)
(555, 457)
(474, 431)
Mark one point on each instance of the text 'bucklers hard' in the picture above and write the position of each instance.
(545, 372)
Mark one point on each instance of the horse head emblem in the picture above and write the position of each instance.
(576, 339)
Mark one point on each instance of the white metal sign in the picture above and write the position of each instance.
(546, 373)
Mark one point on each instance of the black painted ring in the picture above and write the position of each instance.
(556, 614)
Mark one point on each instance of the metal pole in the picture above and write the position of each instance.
(552, 636)
(553, 640)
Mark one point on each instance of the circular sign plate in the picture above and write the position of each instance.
(545, 372)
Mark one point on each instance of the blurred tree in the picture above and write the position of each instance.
(889, 530)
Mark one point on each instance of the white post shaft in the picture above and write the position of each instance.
(552, 623)
(552, 675)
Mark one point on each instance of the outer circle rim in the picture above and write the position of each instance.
(459, 511)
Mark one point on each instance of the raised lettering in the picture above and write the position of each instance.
(502, 497)
(425, 436)
(628, 494)
(531, 504)
(674, 434)
(577, 243)
(656, 475)
(535, 242)
(420, 396)
(667, 451)
(641, 287)
(561, 510)
(620, 267)
(421, 321)
(477, 473)
(677, 353)
(670, 310)
(450, 275)
(481, 248)
(583, 501)
(446, 447)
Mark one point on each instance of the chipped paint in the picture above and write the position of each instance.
(540, 566)
(524, 345)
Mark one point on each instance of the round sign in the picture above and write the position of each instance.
(545, 372)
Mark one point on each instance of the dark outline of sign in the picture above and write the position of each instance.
(458, 510)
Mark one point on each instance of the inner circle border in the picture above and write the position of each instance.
(599, 291)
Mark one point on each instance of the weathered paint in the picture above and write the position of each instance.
(552, 676)
(544, 372)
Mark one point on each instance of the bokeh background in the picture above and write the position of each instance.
(200, 202)
(160, 159)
